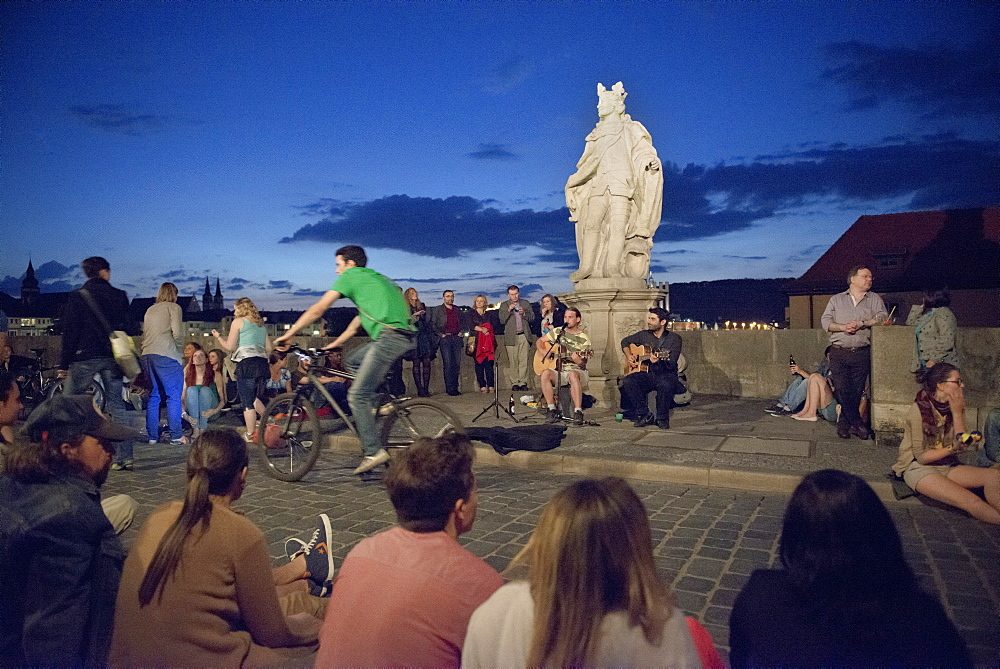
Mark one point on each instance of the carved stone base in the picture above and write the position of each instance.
(612, 309)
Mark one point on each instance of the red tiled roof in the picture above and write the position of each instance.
(959, 247)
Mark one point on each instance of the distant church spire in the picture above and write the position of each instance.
(219, 302)
(29, 287)
(207, 304)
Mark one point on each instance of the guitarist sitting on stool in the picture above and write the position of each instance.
(574, 348)
(650, 364)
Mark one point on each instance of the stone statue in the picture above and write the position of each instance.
(616, 195)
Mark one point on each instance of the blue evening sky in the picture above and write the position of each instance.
(247, 140)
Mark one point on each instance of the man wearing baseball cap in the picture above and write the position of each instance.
(60, 558)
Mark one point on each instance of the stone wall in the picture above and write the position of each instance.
(754, 363)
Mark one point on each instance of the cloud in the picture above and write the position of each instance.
(936, 172)
(507, 74)
(747, 257)
(937, 81)
(440, 228)
(117, 118)
(492, 152)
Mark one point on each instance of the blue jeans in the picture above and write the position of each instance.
(80, 374)
(166, 376)
(451, 361)
(198, 399)
(990, 455)
(795, 395)
(370, 363)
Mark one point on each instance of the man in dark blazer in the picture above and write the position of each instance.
(449, 323)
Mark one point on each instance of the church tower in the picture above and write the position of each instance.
(219, 302)
(207, 303)
(29, 287)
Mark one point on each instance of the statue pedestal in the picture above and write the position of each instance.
(612, 309)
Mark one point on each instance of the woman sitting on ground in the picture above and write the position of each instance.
(820, 401)
(198, 589)
(927, 452)
(592, 597)
(280, 380)
(217, 359)
(204, 392)
(844, 595)
(336, 385)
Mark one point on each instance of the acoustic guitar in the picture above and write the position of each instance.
(642, 355)
(545, 361)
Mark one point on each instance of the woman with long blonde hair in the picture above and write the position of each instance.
(484, 324)
(250, 345)
(426, 350)
(592, 596)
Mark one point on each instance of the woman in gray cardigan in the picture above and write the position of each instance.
(935, 329)
(162, 339)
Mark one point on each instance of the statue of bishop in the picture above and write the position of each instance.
(616, 195)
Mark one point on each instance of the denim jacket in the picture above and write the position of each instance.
(60, 564)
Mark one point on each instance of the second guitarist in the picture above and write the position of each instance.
(660, 374)
(574, 348)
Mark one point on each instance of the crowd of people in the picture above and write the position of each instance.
(585, 589)
(198, 588)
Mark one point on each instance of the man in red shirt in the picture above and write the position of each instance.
(405, 596)
(449, 324)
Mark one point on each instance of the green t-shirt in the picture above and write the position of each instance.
(378, 299)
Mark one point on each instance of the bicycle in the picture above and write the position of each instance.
(289, 435)
(38, 383)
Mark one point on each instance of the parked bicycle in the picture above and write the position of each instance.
(290, 433)
(37, 383)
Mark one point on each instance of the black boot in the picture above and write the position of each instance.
(425, 378)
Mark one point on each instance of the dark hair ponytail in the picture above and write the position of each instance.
(215, 460)
(929, 377)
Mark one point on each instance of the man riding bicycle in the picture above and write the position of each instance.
(385, 316)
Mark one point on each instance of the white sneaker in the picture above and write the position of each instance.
(372, 461)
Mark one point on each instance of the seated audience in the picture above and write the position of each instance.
(204, 392)
(217, 359)
(989, 456)
(820, 399)
(10, 407)
(927, 453)
(404, 596)
(60, 561)
(795, 395)
(280, 380)
(592, 595)
(336, 385)
(198, 588)
(844, 595)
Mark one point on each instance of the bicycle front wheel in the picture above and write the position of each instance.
(288, 437)
(418, 418)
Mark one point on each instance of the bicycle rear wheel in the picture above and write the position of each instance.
(288, 437)
(418, 418)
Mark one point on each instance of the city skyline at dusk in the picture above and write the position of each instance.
(248, 140)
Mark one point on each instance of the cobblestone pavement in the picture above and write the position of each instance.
(707, 540)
